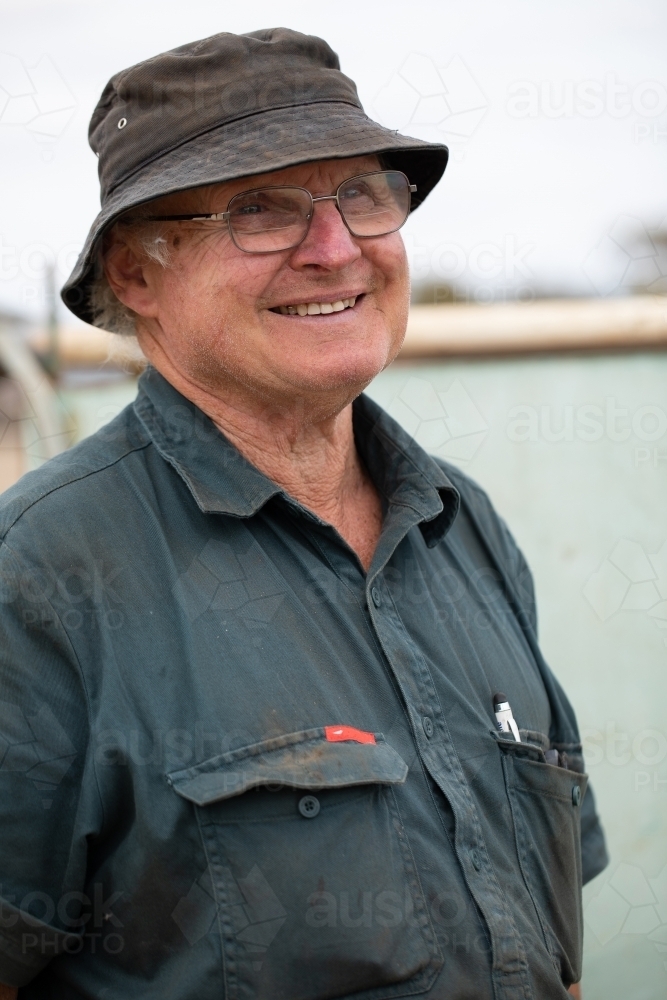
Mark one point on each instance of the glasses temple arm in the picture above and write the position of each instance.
(217, 217)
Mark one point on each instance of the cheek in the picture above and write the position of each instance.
(212, 281)
(390, 260)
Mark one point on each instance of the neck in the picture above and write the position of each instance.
(313, 458)
(307, 447)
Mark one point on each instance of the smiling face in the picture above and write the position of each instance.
(321, 319)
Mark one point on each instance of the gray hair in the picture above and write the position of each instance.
(109, 313)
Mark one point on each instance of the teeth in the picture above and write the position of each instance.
(317, 308)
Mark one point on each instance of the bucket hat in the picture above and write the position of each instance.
(226, 107)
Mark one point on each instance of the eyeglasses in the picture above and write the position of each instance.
(270, 219)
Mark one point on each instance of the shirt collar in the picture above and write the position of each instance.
(405, 475)
(222, 481)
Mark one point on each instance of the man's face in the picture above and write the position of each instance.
(218, 314)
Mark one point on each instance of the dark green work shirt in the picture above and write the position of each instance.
(234, 766)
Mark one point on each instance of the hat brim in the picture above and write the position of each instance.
(268, 141)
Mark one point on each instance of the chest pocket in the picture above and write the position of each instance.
(316, 890)
(546, 808)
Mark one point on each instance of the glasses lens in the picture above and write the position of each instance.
(375, 204)
(269, 219)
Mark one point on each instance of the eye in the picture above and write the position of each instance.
(357, 191)
(253, 209)
(357, 197)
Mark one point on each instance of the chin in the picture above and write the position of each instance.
(353, 372)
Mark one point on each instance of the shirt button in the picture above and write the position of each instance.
(377, 597)
(428, 726)
(309, 806)
(576, 795)
(476, 860)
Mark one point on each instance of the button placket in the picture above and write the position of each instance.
(441, 760)
(424, 695)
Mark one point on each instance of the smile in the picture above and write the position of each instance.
(316, 308)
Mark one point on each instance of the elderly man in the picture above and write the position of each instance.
(252, 636)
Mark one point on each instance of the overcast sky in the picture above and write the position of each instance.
(556, 114)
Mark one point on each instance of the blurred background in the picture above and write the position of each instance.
(535, 355)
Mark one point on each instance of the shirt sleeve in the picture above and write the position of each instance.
(514, 569)
(44, 773)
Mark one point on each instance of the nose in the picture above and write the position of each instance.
(329, 245)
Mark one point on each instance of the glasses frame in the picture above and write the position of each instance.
(226, 217)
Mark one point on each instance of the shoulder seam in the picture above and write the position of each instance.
(74, 479)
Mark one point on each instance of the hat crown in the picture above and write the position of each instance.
(159, 104)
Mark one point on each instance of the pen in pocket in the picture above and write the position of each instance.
(504, 718)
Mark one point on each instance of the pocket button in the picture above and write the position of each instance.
(309, 806)
(576, 795)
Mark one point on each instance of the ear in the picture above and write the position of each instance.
(126, 276)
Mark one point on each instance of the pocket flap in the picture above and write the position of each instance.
(298, 760)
